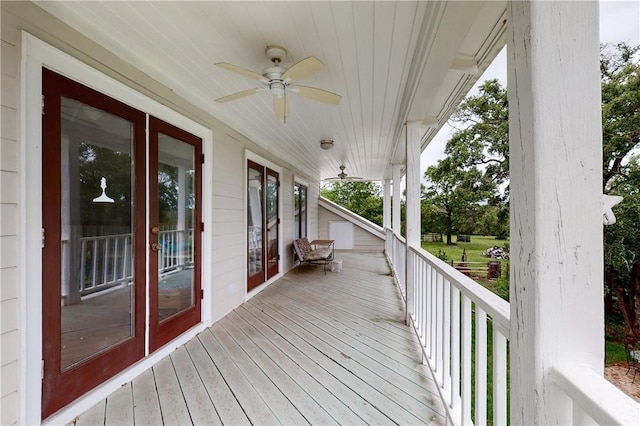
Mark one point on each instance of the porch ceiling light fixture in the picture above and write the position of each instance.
(326, 144)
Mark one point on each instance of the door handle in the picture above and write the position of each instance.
(155, 247)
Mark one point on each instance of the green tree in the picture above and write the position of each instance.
(620, 107)
(455, 189)
(622, 249)
(621, 176)
(361, 197)
(482, 136)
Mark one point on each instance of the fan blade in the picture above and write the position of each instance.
(235, 68)
(303, 69)
(242, 94)
(281, 107)
(317, 94)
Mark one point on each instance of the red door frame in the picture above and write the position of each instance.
(163, 332)
(60, 388)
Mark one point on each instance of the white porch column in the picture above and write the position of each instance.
(395, 214)
(556, 215)
(386, 204)
(412, 184)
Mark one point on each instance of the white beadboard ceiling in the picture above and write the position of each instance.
(391, 62)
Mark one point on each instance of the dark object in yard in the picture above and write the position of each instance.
(496, 252)
(463, 238)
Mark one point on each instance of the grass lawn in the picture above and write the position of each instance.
(478, 244)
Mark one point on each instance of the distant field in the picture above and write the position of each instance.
(478, 245)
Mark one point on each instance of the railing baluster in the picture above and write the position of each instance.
(439, 302)
(446, 335)
(83, 269)
(116, 256)
(499, 378)
(481, 367)
(455, 348)
(466, 361)
(432, 313)
(105, 264)
(423, 298)
(94, 258)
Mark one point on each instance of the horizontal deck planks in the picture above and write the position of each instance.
(311, 348)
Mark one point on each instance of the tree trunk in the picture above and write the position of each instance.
(628, 303)
(449, 228)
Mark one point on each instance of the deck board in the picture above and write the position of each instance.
(120, 407)
(310, 348)
(199, 403)
(172, 404)
(145, 396)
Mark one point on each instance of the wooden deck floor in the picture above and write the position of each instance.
(311, 348)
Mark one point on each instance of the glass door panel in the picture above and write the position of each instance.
(176, 214)
(97, 281)
(174, 234)
(255, 221)
(273, 222)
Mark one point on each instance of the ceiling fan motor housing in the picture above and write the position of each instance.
(276, 53)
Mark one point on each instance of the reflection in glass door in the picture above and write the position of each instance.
(175, 159)
(273, 222)
(93, 260)
(255, 261)
(263, 221)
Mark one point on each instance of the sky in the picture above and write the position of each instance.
(619, 21)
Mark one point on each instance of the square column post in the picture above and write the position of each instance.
(412, 184)
(395, 214)
(386, 204)
(555, 142)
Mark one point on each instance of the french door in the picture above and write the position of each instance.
(105, 217)
(263, 187)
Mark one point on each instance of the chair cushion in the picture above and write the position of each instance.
(318, 254)
(304, 245)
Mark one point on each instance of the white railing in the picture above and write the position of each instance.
(176, 250)
(396, 249)
(463, 330)
(594, 400)
(444, 306)
(105, 261)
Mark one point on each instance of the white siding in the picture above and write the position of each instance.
(9, 229)
(363, 241)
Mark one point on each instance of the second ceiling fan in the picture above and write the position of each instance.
(342, 176)
(279, 81)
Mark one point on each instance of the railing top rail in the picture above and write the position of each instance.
(103, 237)
(596, 396)
(398, 236)
(491, 303)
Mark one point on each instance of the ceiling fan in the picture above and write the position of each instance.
(279, 81)
(342, 176)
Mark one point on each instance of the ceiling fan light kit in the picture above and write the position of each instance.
(278, 81)
(326, 144)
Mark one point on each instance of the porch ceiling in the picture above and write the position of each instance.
(390, 61)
